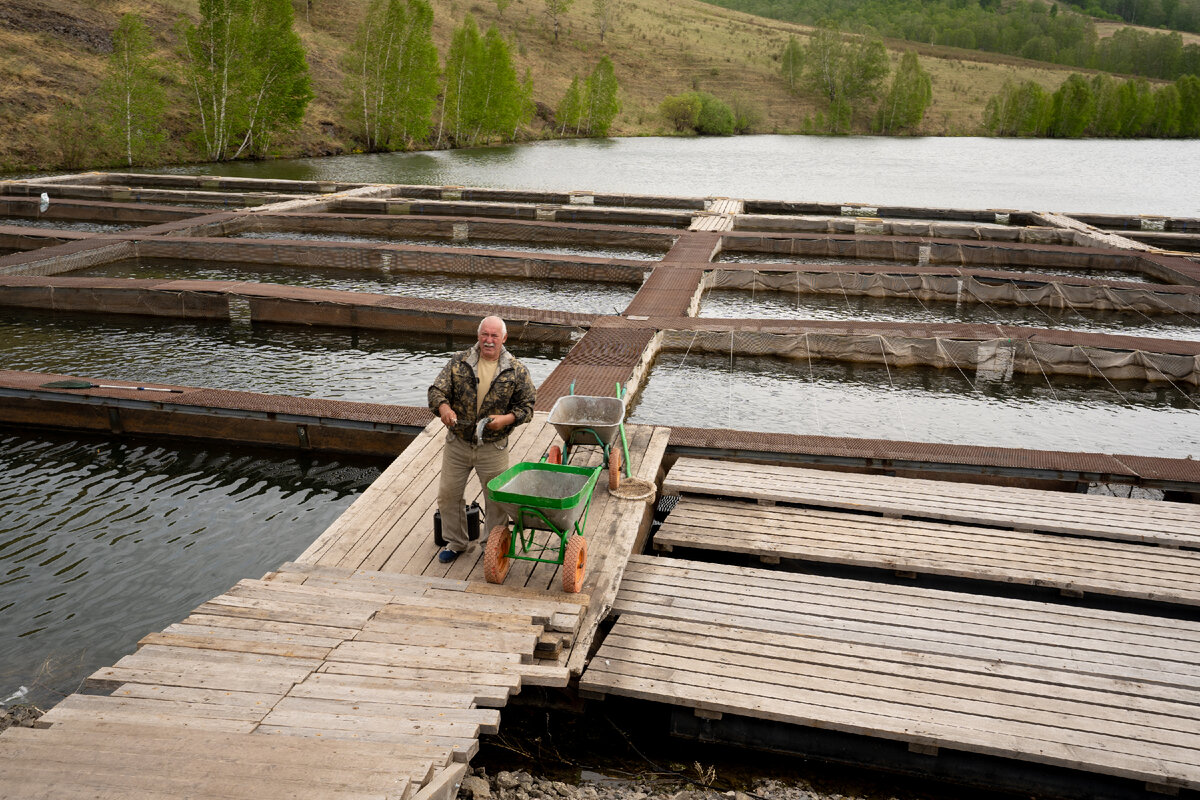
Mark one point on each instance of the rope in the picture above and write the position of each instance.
(917, 297)
(812, 383)
(892, 384)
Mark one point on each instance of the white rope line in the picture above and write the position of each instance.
(892, 384)
(812, 381)
(845, 296)
(1111, 385)
(1149, 357)
(953, 360)
(695, 333)
(729, 408)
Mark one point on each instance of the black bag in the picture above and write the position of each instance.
(474, 520)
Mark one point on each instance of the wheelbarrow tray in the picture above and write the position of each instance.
(603, 415)
(560, 492)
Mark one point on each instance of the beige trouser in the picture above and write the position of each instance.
(458, 459)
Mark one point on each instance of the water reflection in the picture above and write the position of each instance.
(67, 224)
(551, 294)
(103, 541)
(763, 393)
(342, 364)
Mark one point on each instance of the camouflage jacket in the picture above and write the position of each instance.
(512, 392)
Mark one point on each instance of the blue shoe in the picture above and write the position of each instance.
(447, 555)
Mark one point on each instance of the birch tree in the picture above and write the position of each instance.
(392, 74)
(130, 94)
(904, 105)
(556, 9)
(247, 73)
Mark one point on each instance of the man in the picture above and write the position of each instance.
(485, 382)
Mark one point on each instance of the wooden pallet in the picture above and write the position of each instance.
(314, 681)
(1124, 519)
(1114, 694)
(1074, 565)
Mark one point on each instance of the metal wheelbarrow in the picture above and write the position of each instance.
(541, 497)
(583, 419)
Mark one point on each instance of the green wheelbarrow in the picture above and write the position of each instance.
(585, 420)
(548, 504)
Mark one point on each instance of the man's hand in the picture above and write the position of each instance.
(501, 421)
(449, 418)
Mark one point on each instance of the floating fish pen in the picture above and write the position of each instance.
(911, 535)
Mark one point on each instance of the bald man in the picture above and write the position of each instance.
(485, 382)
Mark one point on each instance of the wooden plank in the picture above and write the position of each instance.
(132, 706)
(317, 774)
(67, 780)
(1030, 509)
(444, 785)
(940, 626)
(236, 645)
(922, 607)
(416, 745)
(1102, 567)
(445, 674)
(610, 570)
(463, 721)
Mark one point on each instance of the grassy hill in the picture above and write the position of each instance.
(52, 59)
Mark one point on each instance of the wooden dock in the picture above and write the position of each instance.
(1103, 692)
(365, 669)
(1074, 565)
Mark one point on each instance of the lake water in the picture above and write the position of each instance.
(105, 540)
(338, 364)
(825, 398)
(1098, 176)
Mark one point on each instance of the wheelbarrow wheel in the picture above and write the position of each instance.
(574, 561)
(495, 556)
(554, 456)
(614, 468)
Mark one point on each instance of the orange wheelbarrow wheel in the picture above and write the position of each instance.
(574, 561)
(555, 455)
(495, 556)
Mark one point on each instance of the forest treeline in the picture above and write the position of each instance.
(1099, 107)
(1027, 28)
(245, 74)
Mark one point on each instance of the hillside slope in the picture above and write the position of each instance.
(51, 61)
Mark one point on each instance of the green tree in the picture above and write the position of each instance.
(570, 109)
(746, 115)
(682, 111)
(605, 14)
(482, 98)
(246, 68)
(600, 102)
(556, 9)
(392, 74)
(1189, 106)
(844, 70)
(1072, 108)
(906, 100)
(1106, 122)
(1165, 122)
(1022, 109)
(792, 63)
(1135, 108)
(130, 93)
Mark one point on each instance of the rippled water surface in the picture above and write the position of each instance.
(747, 304)
(103, 541)
(919, 404)
(550, 294)
(589, 251)
(375, 367)
(1087, 175)
(67, 224)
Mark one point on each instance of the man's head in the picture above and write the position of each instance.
(492, 334)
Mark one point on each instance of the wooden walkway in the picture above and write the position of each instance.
(390, 527)
(1117, 518)
(1074, 565)
(1109, 693)
(313, 682)
(366, 669)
